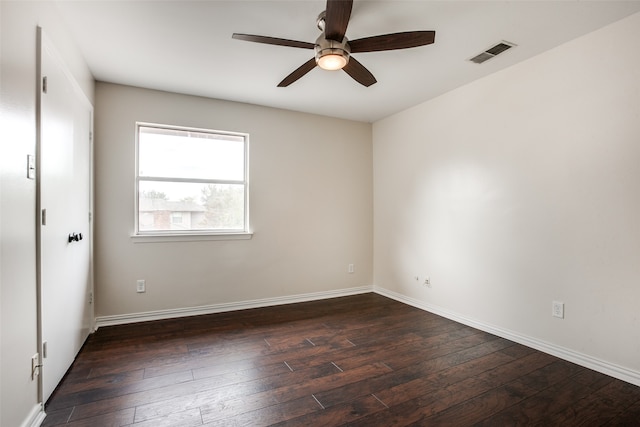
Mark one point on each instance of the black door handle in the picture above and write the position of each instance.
(73, 237)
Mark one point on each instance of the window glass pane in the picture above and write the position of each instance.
(178, 206)
(190, 155)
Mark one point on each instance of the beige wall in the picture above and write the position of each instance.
(519, 189)
(310, 197)
(18, 310)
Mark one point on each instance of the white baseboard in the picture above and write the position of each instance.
(35, 417)
(121, 319)
(607, 368)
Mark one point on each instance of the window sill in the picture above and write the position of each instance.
(161, 238)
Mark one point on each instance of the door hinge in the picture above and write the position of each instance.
(31, 166)
(44, 84)
(35, 366)
(44, 217)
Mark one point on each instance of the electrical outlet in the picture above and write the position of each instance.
(350, 268)
(427, 282)
(140, 286)
(557, 309)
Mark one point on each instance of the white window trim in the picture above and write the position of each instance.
(191, 237)
(197, 235)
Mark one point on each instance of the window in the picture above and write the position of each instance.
(176, 217)
(190, 181)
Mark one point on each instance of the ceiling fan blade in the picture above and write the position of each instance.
(272, 40)
(359, 73)
(392, 41)
(337, 18)
(298, 72)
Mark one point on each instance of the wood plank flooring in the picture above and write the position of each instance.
(361, 360)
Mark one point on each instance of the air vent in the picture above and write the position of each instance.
(492, 52)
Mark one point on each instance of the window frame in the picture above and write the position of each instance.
(144, 236)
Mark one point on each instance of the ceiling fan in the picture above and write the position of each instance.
(333, 50)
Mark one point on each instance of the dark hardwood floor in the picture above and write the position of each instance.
(362, 360)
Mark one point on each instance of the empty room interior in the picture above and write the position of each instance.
(320, 213)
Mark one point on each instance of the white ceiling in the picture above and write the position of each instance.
(186, 47)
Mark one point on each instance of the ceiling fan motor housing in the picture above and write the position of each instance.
(326, 49)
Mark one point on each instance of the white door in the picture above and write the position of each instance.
(64, 184)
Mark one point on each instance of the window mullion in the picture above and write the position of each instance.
(194, 180)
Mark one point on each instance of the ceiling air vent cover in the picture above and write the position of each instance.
(492, 52)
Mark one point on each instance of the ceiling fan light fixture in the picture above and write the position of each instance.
(330, 54)
(332, 61)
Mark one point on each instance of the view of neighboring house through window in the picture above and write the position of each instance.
(191, 181)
